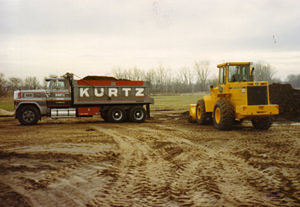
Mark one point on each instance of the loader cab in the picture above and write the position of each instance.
(234, 72)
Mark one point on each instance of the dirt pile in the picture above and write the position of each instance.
(288, 100)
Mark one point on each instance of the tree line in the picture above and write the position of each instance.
(195, 79)
(162, 80)
(11, 84)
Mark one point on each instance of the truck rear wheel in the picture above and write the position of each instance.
(104, 115)
(116, 114)
(263, 123)
(202, 117)
(223, 115)
(137, 114)
(28, 115)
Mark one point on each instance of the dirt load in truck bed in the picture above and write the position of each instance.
(165, 161)
(101, 78)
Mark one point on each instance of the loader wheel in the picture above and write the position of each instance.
(28, 115)
(223, 115)
(263, 123)
(191, 120)
(137, 114)
(202, 117)
(116, 114)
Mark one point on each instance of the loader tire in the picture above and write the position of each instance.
(263, 123)
(223, 115)
(28, 115)
(202, 117)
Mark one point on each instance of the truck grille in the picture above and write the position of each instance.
(257, 95)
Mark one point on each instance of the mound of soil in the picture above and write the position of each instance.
(288, 100)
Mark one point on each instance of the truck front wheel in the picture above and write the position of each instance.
(28, 115)
(116, 114)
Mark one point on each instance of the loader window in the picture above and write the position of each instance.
(222, 76)
(238, 73)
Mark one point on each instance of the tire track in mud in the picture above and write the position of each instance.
(264, 172)
(70, 178)
(252, 185)
(157, 163)
(206, 177)
(142, 178)
(182, 180)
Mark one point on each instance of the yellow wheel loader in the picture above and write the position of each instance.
(236, 98)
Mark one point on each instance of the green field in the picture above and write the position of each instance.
(161, 102)
(174, 102)
(7, 103)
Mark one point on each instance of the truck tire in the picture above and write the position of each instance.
(116, 114)
(263, 123)
(104, 115)
(28, 115)
(137, 114)
(223, 115)
(202, 117)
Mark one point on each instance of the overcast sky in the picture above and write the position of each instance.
(42, 37)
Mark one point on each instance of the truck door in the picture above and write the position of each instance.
(59, 94)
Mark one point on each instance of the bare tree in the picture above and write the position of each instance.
(202, 72)
(14, 83)
(213, 80)
(137, 74)
(3, 85)
(150, 76)
(118, 73)
(185, 80)
(294, 80)
(264, 72)
(31, 83)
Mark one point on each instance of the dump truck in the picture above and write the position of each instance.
(237, 97)
(113, 99)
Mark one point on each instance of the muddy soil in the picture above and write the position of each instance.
(165, 161)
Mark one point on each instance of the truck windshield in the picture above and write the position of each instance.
(238, 73)
(56, 84)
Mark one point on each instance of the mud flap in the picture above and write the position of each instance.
(148, 110)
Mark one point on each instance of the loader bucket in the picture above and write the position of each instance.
(192, 113)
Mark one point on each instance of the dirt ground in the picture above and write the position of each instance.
(165, 161)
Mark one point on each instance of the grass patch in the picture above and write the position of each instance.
(7, 103)
(175, 102)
